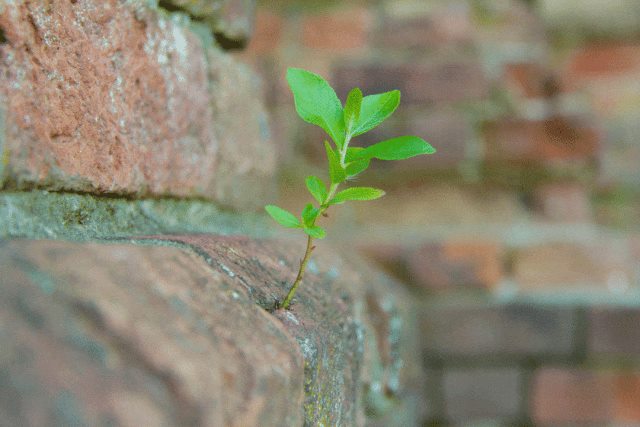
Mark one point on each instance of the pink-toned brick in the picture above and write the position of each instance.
(337, 31)
(604, 60)
(456, 265)
(527, 141)
(564, 202)
(604, 266)
(580, 397)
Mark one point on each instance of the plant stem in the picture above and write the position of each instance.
(307, 255)
(301, 270)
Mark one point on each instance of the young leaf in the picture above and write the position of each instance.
(309, 215)
(315, 231)
(354, 168)
(357, 193)
(317, 103)
(352, 108)
(398, 148)
(336, 171)
(282, 217)
(375, 109)
(316, 188)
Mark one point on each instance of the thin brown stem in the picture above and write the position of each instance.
(301, 270)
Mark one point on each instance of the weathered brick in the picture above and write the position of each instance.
(577, 396)
(613, 331)
(337, 31)
(512, 331)
(154, 333)
(111, 97)
(563, 202)
(456, 265)
(376, 353)
(527, 141)
(600, 266)
(481, 394)
(435, 83)
(137, 336)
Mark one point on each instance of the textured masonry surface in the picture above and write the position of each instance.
(137, 102)
(174, 332)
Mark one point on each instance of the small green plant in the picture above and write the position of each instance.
(317, 103)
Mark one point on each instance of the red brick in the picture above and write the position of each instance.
(527, 141)
(456, 265)
(614, 331)
(515, 331)
(604, 266)
(122, 99)
(564, 202)
(482, 394)
(338, 31)
(573, 396)
(604, 61)
(267, 34)
(439, 83)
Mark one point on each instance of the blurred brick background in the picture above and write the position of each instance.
(521, 233)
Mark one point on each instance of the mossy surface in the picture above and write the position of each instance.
(42, 214)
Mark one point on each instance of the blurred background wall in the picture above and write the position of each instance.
(520, 235)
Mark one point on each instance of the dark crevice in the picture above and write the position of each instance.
(227, 43)
(170, 7)
(3, 38)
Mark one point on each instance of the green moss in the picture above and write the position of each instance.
(41, 214)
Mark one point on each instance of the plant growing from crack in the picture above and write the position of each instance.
(317, 103)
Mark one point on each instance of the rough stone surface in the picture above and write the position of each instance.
(356, 333)
(163, 337)
(136, 103)
(125, 335)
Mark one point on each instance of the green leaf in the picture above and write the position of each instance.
(357, 193)
(376, 109)
(352, 108)
(317, 188)
(398, 148)
(354, 168)
(315, 231)
(336, 171)
(309, 215)
(283, 217)
(317, 103)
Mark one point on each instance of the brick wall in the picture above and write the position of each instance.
(520, 234)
